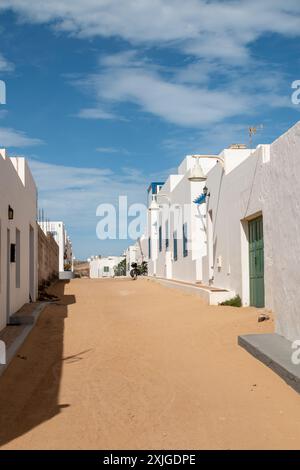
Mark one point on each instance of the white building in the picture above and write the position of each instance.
(176, 225)
(137, 253)
(141, 252)
(61, 237)
(131, 254)
(18, 236)
(244, 234)
(254, 240)
(103, 267)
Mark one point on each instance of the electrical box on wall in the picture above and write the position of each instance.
(219, 262)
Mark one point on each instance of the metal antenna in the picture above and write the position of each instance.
(252, 130)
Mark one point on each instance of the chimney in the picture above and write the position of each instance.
(238, 146)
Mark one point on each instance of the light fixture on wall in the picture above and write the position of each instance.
(10, 213)
(205, 191)
(197, 174)
(154, 206)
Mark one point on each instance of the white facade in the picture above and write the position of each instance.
(61, 237)
(18, 236)
(266, 184)
(141, 251)
(131, 255)
(103, 267)
(178, 223)
(246, 186)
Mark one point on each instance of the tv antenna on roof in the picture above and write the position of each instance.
(252, 130)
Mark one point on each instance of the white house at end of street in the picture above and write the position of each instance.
(103, 267)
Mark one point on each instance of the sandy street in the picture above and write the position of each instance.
(118, 364)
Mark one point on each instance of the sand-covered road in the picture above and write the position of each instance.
(118, 364)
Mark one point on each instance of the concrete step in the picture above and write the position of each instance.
(213, 295)
(14, 335)
(21, 320)
(276, 352)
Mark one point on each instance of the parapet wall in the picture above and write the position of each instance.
(48, 255)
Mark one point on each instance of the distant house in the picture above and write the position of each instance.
(18, 236)
(103, 267)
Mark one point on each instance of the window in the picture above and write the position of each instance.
(149, 247)
(12, 252)
(185, 240)
(160, 238)
(167, 234)
(106, 269)
(175, 246)
(18, 258)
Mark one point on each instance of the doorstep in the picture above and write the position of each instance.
(211, 294)
(21, 324)
(274, 351)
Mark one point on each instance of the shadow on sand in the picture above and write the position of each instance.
(29, 388)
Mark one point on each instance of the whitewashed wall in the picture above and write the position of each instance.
(131, 255)
(266, 183)
(179, 209)
(236, 194)
(17, 189)
(283, 225)
(61, 237)
(58, 231)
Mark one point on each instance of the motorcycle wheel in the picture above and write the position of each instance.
(133, 275)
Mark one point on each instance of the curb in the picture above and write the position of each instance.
(19, 341)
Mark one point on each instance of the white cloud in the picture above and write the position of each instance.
(14, 138)
(174, 102)
(82, 190)
(110, 150)
(5, 65)
(107, 150)
(216, 35)
(95, 113)
(57, 177)
(189, 96)
(223, 30)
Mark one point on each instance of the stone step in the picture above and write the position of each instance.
(276, 352)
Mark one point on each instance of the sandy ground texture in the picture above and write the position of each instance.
(118, 364)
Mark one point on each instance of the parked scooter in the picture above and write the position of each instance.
(134, 272)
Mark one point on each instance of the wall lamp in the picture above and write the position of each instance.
(10, 213)
(205, 191)
(197, 174)
(154, 206)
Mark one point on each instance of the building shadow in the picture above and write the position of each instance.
(29, 388)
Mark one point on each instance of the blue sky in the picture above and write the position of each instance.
(105, 96)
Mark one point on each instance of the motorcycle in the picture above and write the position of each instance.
(134, 272)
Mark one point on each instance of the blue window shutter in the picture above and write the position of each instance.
(184, 239)
(160, 238)
(175, 246)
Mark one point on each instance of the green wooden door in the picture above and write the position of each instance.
(256, 260)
